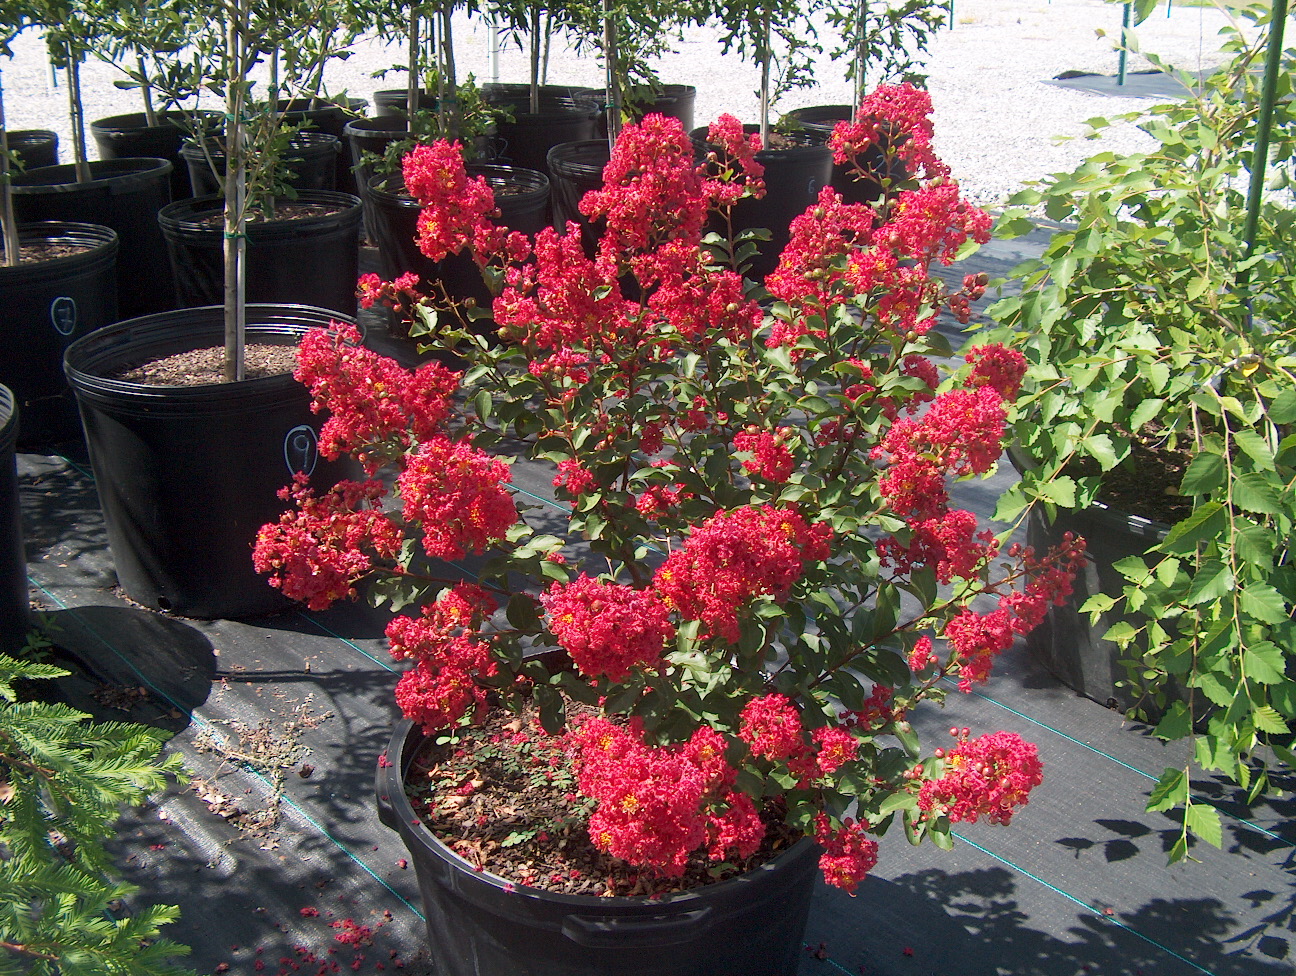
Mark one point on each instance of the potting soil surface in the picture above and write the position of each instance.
(276, 857)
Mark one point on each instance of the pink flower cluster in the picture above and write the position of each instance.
(771, 727)
(893, 118)
(658, 805)
(455, 206)
(848, 853)
(456, 492)
(372, 401)
(608, 628)
(735, 557)
(990, 776)
(770, 458)
(451, 656)
(319, 549)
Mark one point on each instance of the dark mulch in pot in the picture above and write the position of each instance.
(1147, 482)
(202, 367)
(504, 798)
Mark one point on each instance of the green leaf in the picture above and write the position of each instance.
(1265, 603)
(1176, 724)
(1254, 493)
(1283, 408)
(1102, 450)
(1264, 662)
(1204, 821)
(1205, 522)
(1212, 581)
(1171, 790)
(1205, 473)
(1145, 412)
(1256, 447)
(1267, 719)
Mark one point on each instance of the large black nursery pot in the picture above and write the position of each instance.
(1066, 644)
(330, 118)
(130, 136)
(521, 195)
(46, 306)
(14, 600)
(673, 101)
(34, 147)
(526, 138)
(310, 162)
(187, 475)
(575, 168)
(821, 120)
(794, 175)
(310, 259)
(393, 103)
(479, 925)
(124, 194)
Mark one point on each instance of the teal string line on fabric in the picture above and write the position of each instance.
(1070, 897)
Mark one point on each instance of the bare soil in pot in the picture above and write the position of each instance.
(203, 367)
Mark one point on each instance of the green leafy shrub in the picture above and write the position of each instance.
(1156, 329)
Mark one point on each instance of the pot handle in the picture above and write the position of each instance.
(602, 932)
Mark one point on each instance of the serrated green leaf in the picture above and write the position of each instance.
(1267, 719)
(1212, 581)
(1205, 473)
(1283, 408)
(1264, 662)
(1170, 791)
(1256, 447)
(1264, 603)
(1176, 724)
(1205, 522)
(1254, 493)
(1204, 821)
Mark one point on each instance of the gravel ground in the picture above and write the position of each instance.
(998, 125)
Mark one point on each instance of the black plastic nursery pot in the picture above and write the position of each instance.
(330, 118)
(14, 600)
(187, 475)
(521, 195)
(393, 103)
(1066, 644)
(124, 194)
(479, 925)
(794, 175)
(310, 162)
(673, 101)
(525, 139)
(310, 260)
(34, 147)
(129, 136)
(821, 120)
(47, 305)
(575, 168)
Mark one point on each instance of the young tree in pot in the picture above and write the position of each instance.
(1163, 361)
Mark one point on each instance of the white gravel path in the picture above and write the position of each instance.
(997, 123)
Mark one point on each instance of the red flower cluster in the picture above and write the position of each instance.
(895, 119)
(989, 776)
(736, 556)
(607, 628)
(770, 458)
(652, 190)
(371, 399)
(771, 727)
(319, 549)
(998, 367)
(656, 805)
(961, 434)
(456, 493)
(812, 267)
(950, 543)
(455, 206)
(450, 654)
(848, 854)
(732, 166)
